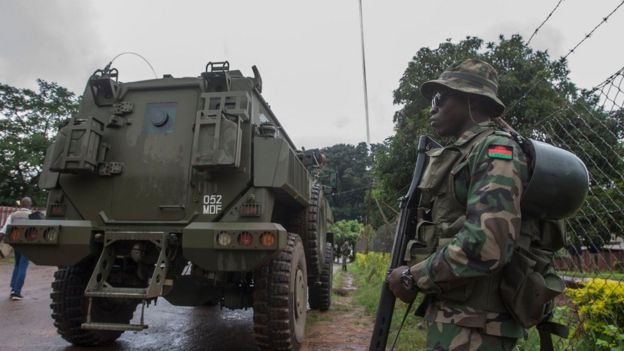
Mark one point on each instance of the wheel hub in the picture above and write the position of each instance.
(300, 289)
(300, 304)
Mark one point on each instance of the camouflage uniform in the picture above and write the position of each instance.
(345, 251)
(473, 189)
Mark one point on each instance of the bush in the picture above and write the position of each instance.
(600, 307)
(369, 272)
(374, 265)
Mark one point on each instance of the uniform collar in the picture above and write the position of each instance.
(473, 132)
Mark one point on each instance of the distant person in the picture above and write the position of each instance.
(21, 262)
(345, 250)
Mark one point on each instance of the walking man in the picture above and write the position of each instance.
(21, 262)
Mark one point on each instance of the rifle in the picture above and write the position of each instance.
(406, 225)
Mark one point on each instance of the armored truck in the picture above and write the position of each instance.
(187, 189)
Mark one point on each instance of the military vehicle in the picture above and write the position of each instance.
(185, 188)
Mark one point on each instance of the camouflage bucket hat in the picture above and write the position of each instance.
(471, 77)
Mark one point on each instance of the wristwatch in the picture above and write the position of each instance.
(407, 280)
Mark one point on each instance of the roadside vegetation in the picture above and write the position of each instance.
(369, 271)
(592, 312)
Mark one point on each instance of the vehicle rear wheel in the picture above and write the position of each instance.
(69, 307)
(280, 299)
(320, 294)
(314, 229)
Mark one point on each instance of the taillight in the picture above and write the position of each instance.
(57, 210)
(224, 239)
(15, 234)
(267, 239)
(245, 239)
(32, 234)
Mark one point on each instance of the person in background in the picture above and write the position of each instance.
(21, 262)
(345, 250)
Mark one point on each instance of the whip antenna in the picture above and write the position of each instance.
(139, 56)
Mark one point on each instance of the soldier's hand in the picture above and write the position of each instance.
(398, 289)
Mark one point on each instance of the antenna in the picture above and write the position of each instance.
(139, 56)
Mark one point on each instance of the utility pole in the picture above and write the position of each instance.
(364, 76)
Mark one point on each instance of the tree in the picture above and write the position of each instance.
(29, 121)
(346, 231)
(351, 165)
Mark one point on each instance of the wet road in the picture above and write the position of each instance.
(26, 325)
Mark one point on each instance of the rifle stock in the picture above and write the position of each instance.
(405, 225)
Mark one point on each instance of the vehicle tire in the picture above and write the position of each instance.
(320, 294)
(314, 229)
(69, 307)
(280, 299)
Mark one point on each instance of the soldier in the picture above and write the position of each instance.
(471, 196)
(345, 250)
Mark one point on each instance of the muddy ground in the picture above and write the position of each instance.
(26, 325)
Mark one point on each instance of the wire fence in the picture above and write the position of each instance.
(592, 127)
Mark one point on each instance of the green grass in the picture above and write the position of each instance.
(337, 280)
(316, 316)
(367, 295)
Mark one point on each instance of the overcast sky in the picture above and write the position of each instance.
(308, 52)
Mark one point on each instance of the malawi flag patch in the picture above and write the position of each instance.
(500, 151)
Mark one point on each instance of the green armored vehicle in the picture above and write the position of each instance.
(185, 188)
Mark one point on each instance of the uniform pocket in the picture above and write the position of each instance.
(460, 182)
(459, 294)
(424, 244)
(440, 163)
(529, 285)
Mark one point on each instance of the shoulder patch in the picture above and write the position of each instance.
(500, 151)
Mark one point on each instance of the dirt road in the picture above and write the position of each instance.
(344, 327)
(26, 325)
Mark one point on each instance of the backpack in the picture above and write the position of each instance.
(36, 215)
(530, 283)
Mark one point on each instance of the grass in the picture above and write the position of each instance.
(412, 336)
(337, 280)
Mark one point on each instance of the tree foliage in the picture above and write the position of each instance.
(351, 164)
(346, 231)
(28, 123)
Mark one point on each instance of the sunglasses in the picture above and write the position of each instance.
(439, 98)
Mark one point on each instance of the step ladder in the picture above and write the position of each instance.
(99, 287)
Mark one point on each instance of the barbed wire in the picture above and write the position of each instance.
(537, 78)
(544, 22)
(588, 35)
